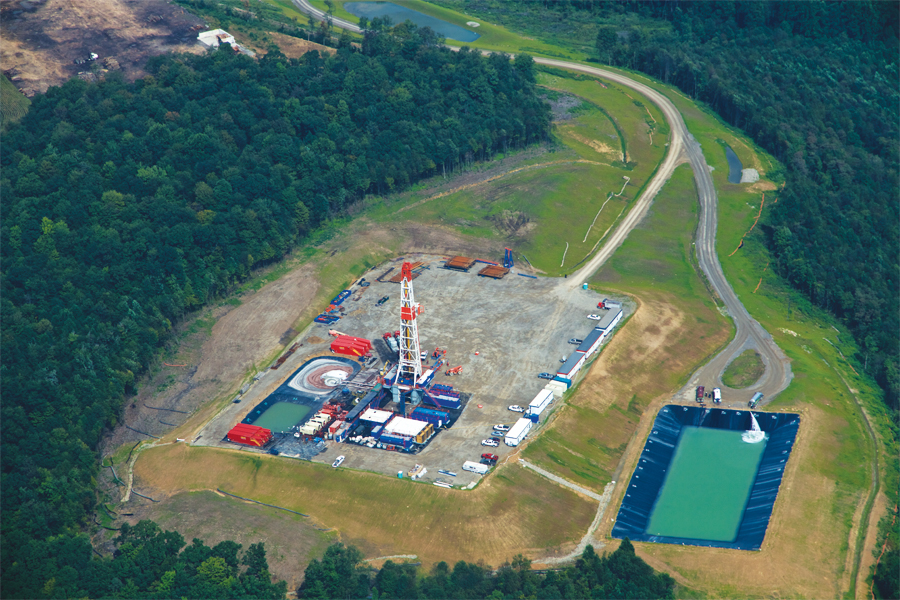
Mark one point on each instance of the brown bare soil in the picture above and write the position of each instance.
(240, 340)
(294, 47)
(42, 38)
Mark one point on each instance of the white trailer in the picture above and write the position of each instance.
(518, 432)
(540, 402)
(475, 467)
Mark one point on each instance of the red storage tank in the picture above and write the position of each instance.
(351, 346)
(251, 435)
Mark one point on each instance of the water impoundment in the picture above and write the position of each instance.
(398, 14)
(707, 484)
(707, 477)
(735, 168)
(281, 416)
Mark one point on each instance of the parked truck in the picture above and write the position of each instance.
(717, 395)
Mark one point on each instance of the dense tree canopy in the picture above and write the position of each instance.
(148, 563)
(621, 574)
(126, 205)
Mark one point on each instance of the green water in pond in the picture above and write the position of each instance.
(707, 485)
(281, 416)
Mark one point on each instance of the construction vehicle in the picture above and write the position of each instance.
(454, 371)
(507, 258)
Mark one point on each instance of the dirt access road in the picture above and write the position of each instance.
(682, 146)
(749, 333)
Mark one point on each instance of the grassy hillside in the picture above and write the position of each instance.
(13, 104)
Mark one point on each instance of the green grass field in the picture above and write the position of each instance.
(493, 37)
(13, 104)
(744, 371)
(587, 440)
(384, 516)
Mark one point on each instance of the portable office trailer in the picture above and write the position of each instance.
(571, 367)
(592, 342)
(610, 319)
(518, 432)
(540, 402)
(475, 467)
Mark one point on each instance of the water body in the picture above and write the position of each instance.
(707, 486)
(398, 14)
(734, 165)
(281, 416)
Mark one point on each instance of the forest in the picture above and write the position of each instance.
(127, 206)
(620, 574)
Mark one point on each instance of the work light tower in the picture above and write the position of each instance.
(410, 357)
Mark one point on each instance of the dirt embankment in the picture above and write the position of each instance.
(43, 38)
(216, 360)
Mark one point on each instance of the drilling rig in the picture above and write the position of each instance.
(409, 370)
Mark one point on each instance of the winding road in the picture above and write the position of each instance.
(682, 147)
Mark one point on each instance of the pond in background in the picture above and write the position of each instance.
(398, 14)
(734, 165)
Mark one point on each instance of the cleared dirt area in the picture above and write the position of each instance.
(42, 38)
(291, 540)
(294, 47)
(241, 337)
(518, 326)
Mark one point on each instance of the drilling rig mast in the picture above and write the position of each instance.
(410, 357)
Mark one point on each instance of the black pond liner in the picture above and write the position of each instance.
(642, 493)
(285, 393)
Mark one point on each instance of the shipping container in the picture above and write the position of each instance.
(437, 418)
(518, 432)
(565, 380)
(443, 401)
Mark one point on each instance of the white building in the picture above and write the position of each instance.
(214, 37)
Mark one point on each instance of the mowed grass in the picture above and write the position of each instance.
(530, 211)
(514, 511)
(675, 328)
(555, 210)
(744, 371)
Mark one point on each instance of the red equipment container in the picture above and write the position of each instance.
(251, 435)
(351, 346)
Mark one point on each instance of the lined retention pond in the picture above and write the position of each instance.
(697, 481)
(281, 416)
(398, 14)
(707, 485)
